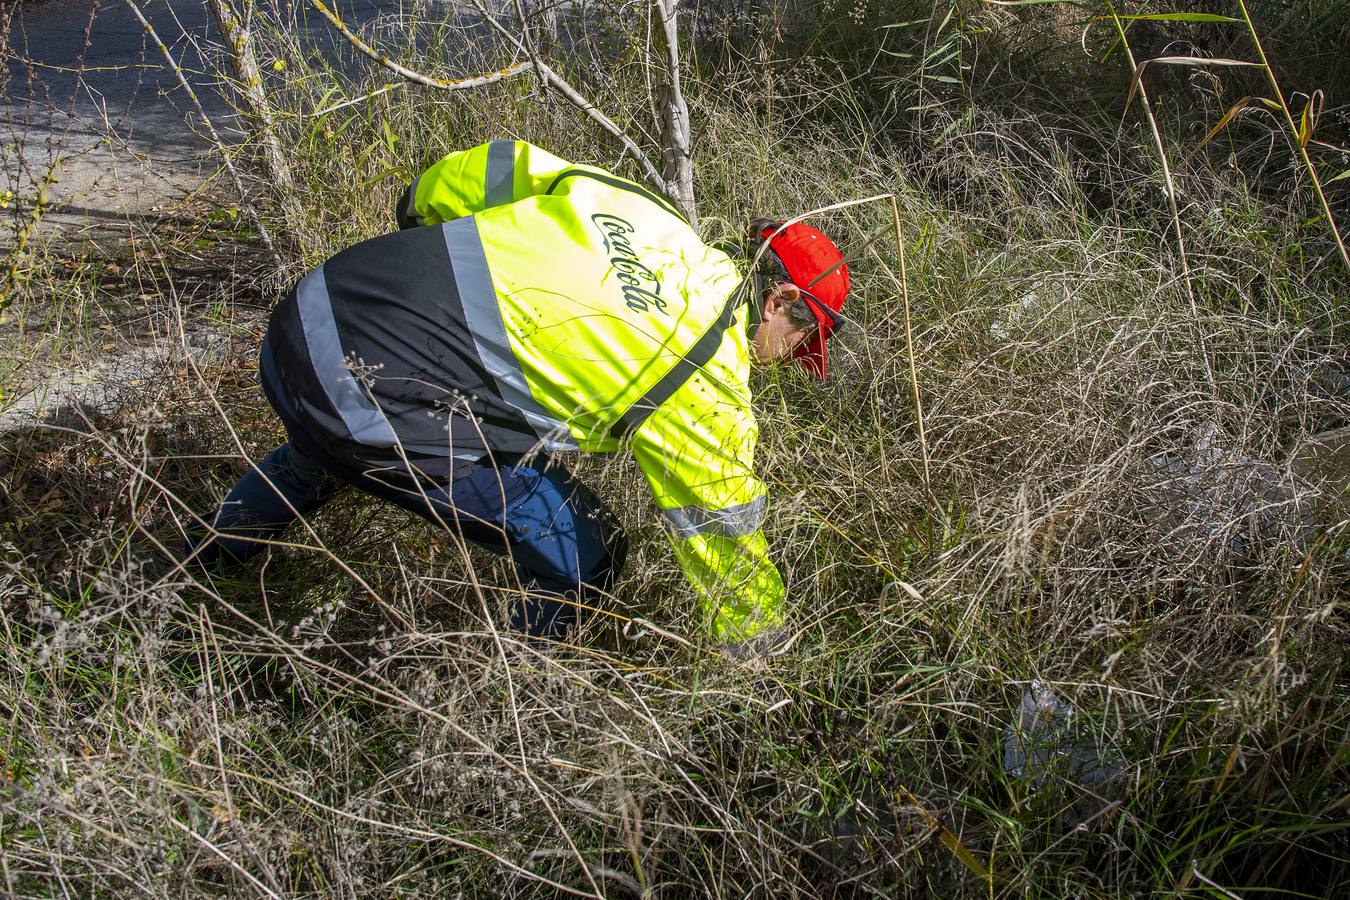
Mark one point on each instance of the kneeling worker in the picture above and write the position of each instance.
(528, 304)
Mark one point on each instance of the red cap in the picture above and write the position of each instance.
(818, 270)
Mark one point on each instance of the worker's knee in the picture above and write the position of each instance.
(569, 548)
(562, 534)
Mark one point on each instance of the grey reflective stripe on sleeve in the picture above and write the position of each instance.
(478, 296)
(734, 521)
(363, 419)
(499, 185)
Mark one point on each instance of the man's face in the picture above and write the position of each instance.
(777, 335)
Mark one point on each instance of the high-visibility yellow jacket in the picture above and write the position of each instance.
(569, 309)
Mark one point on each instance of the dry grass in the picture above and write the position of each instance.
(285, 731)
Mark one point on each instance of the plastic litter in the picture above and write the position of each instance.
(1222, 498)
(1047, 745)
(1019, 315)
(1046, 736)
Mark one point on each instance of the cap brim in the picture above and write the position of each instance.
(811, 353)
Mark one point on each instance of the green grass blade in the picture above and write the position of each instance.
(1227, 118)
(1032, 2)
(1173, 17)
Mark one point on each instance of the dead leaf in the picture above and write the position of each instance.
(1181, 61)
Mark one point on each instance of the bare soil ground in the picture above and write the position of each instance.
(110, 191)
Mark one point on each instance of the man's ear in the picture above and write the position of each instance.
(783, 294)
(772, 301)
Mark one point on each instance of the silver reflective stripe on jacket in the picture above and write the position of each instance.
(483, 317)
(349, 397)
(734, 521)
(499, 184)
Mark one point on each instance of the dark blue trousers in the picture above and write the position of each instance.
(560, 536)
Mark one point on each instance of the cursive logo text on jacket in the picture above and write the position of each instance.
(641, 287)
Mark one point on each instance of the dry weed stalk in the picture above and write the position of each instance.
(226, 157)
(1168, 183)
(283, 732)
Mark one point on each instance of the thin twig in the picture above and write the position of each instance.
(249, 208)
(902, 282)
(16, 258)
(1171, 191)
(406, 831)
(440, 84)
(384, 89)
(550, 78)
(226, 858)
(546, 74)
(802, 217)
(909, 350)
(214, 533)
(574, 97)
(209, 645)
(527, 38)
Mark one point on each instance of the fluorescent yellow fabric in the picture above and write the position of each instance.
(697, 451)
(602, 289)
(456, 186)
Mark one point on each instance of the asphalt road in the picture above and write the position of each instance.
(90, 105)
(89, 99)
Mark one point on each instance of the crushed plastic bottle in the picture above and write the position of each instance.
(1045, 739)
(1223, 499)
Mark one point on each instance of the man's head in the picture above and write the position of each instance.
(806, 282)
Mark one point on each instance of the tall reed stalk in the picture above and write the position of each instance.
(1298, 137)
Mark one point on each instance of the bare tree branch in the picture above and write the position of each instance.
(676, 149)
(249, 208)
(248, 79)
(548, 77)
(553, 79)
(441, 84)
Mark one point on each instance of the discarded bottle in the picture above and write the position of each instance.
(1045, 739)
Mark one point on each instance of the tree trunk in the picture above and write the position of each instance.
(248, 81)
(677, 165)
